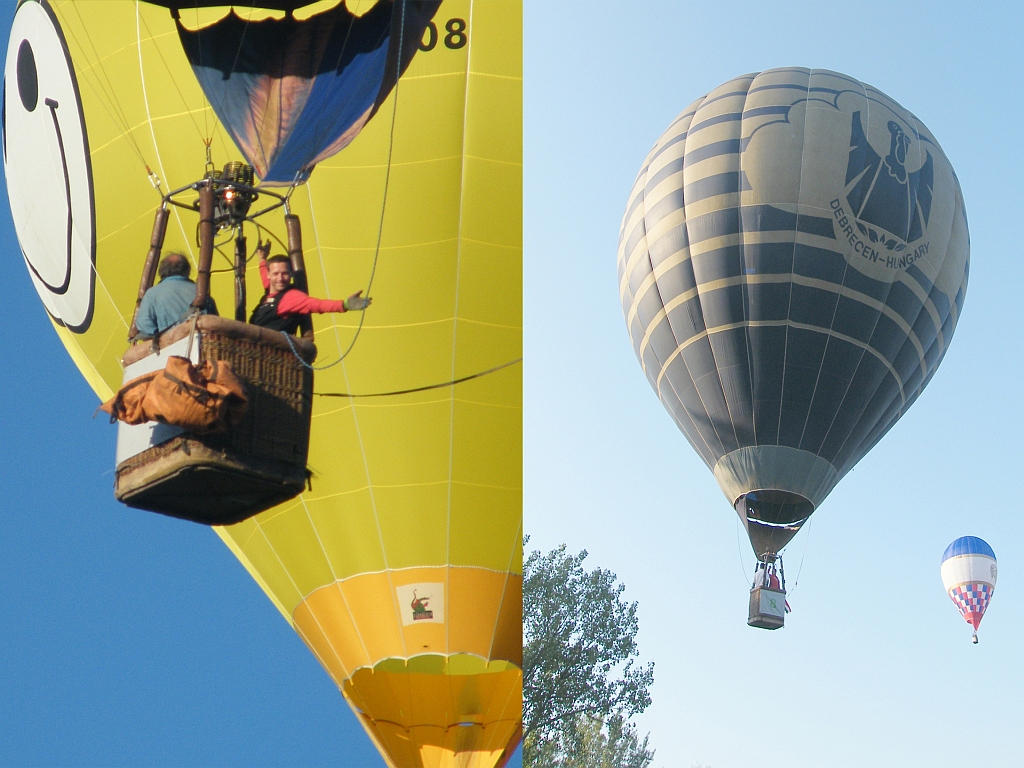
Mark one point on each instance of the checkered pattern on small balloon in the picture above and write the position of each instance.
(971, 598)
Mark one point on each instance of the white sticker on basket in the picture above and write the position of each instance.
(132, 440)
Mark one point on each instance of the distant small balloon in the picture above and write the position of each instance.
(969, 575)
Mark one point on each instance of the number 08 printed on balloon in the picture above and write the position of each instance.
(361, 456)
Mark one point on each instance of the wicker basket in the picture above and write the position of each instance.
(766, 608)
(222, 478)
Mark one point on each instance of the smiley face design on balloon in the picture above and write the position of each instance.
(46, 161)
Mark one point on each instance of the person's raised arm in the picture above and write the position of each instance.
(263, 250)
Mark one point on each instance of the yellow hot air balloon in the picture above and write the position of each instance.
(401, 567)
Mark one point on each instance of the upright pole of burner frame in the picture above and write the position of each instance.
(206, 232)
(294, 228)
(156, 244)
(240, 254)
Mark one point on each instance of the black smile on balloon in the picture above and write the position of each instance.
(28, 90)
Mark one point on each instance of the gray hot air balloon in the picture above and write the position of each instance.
(792, 264)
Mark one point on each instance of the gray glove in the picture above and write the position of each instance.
(356, 302)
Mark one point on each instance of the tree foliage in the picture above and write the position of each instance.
(581, 681)
(591, 742)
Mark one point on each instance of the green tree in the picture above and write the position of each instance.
(581, 682)
(591, 742)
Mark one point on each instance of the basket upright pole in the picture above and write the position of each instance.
(240, 254)
(294, 227)
(206, 232)
(156, 244)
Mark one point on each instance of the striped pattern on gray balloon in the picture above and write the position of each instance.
(792, 263)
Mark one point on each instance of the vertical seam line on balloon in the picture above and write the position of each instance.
(387, 179)
(302, 597)
(359, 434)
(926, 300)
(679, 345)
(257, 125)
(828, 339)
(867, 102)
(672, 386)
(152, 133)
(323, 662)
(330, 565)
(373, 501)
(739, 229)
(780, 323)
(509, 699)
(106, 94)
(644, 246)
(792, 274)
(745, 289)
(302, 634)
(517, 541)
(167, 68)
(320, 135)
(355, 626)
(320, 258)
(703, 321)
(746, 292)
(455, 324)
(891, 369)
(629, 262)
(868, 439)
(355, 419)
(928, 305)
(666, 265)
(799, 279)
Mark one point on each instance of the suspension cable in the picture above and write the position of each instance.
(425, 388)
(380, 227)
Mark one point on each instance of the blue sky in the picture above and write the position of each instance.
(875, 666)
(128, 638)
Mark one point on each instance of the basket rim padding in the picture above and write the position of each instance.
(230, 328)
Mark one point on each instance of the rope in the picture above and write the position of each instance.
(192, 333)
(380, 228)
(739, 551)
(807, 541)
(427, 387)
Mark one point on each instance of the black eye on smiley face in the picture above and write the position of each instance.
(28, 76)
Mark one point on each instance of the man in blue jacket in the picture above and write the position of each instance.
(168, 302)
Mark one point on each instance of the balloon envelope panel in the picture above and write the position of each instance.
(792, 261)
(416, 497)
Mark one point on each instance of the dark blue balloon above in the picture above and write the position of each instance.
(292, 93)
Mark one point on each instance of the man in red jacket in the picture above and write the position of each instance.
(283, 305)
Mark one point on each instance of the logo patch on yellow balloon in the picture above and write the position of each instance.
(421, 603)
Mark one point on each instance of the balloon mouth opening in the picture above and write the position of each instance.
(772, 518)
(782, 508)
